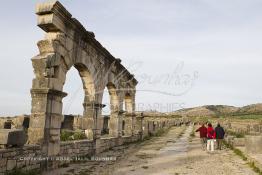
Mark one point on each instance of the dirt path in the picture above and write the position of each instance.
(179, 156)
(174, 153)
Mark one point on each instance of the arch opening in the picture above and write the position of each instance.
(128, 104)
(72, 104)
(111, 111)
(78, 104)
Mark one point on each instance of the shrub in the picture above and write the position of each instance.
(72, 135)
(65, 135)
(236, 134)
(79, 136)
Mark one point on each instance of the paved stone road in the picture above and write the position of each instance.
(183, 156)
(174, 153)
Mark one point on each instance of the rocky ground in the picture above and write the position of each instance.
(173, 153)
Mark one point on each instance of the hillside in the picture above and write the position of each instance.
(219, 110)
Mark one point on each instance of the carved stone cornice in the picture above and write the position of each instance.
(48, 92)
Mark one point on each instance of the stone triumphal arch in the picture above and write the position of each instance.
(68, 44)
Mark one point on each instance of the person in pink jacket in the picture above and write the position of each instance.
(211, 136)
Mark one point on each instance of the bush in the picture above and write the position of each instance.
(236, 134)
(72, 135)
(79, 136)
(65, 135)
(160, 132)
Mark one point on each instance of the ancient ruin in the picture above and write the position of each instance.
(68, 44)
(49, 141)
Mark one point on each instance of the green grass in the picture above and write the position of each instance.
(247, 116)
(235, 150)
(68, 135)
(255, 168)
(236, 134)
(242, 155)
(160, 132)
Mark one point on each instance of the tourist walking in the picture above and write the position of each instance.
(211, 135)
(220, 133)
(203, 135)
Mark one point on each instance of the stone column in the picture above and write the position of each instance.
(90, 124)
(120, 122)
(115, 124)
(129, 124)
(139, 125)
(45, 120)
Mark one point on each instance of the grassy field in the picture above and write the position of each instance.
(250, 116)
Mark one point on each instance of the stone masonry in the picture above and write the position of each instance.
(68, 44)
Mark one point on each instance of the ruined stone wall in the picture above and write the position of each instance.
(17, 121)
(152, 124)
(17, 158)
(108, 143)
(77, 148)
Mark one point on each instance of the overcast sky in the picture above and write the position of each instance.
(183, 52)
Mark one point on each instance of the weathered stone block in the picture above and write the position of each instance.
(11, 164)
(113, 127)
(37, 121)
(56, 121)
(35, 135)
(21, 164)
(12, 137)
(9, 154)
(3, 162)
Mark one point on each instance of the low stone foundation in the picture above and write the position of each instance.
(253, 144)
(30, 157)
(77, 148)
(19, 158)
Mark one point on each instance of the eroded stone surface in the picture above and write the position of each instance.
(68, 44)
(253, 144)
(12, 137)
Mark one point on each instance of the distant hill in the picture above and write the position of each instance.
(219, 110)
(251, 109)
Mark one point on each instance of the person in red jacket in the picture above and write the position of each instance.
(203, 135)
(211, 136)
